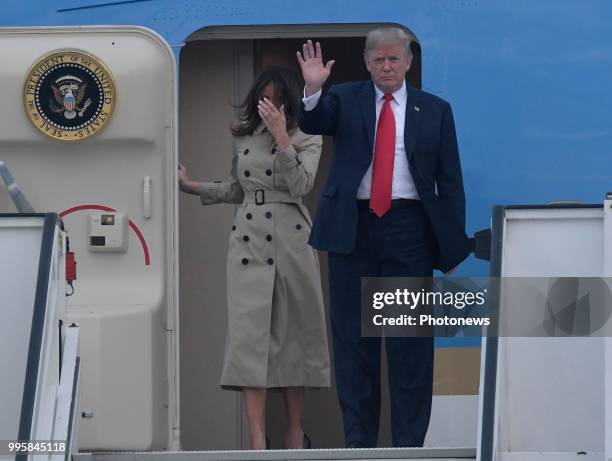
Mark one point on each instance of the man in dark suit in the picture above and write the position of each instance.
(393, 205)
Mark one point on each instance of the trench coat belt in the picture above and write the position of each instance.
(261, 196)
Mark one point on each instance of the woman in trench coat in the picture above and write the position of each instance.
(276, 335)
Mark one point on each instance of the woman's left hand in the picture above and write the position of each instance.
(275, 122)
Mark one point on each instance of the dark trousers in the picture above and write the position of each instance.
(398, 244)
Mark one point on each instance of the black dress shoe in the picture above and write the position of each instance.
(355, 444)
(306, 443)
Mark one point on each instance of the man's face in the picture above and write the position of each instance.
(388, 65)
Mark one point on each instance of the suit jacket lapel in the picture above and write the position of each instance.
(412, 120)
(368, 112)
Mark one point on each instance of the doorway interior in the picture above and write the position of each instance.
(216, 67)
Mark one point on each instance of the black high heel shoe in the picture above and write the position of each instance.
(306, 443)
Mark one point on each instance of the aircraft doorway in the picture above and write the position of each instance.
(216, 68)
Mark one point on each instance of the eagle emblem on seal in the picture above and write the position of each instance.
(68, 92)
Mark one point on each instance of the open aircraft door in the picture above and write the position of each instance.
(88, 130)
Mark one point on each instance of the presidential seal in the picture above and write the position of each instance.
(69, 95)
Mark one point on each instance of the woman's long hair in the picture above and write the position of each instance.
(287, 91)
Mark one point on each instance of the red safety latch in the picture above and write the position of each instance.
(70, 267)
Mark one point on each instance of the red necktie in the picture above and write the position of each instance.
(384, 154)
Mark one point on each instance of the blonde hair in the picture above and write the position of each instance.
(388, 36)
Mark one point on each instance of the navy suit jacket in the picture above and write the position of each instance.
(348, 113)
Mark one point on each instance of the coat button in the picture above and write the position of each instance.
(249, 215)
(269, 172)
(245, 261)
(246, 151)
(269, 238)
(233, 228)
(268, 214)
(298, 226)
(245, 238)
(270, 261)
(247, 173)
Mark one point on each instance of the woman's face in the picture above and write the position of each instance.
(269, 93)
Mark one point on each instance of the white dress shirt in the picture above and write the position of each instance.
(403, 184)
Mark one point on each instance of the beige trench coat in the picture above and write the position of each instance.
(276, 334)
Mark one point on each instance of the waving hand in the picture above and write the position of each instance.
(314, 72)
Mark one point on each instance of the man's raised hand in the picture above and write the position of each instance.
(313, 70)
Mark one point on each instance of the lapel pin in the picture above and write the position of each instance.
(417, 108)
